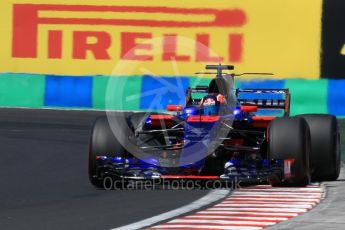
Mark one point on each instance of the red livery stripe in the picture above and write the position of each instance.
(189, 177)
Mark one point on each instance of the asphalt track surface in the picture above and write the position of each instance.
(44, 184)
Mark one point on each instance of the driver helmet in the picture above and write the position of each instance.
(210, 105)
(213, 99)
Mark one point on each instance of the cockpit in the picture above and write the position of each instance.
(208, 100)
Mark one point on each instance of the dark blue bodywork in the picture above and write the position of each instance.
(225, 140)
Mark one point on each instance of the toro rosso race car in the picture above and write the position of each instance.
(221, 133)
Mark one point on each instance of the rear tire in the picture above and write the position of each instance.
(325, 146)
(289, 138)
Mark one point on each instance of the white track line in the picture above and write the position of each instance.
(266, 205)
(308, 190)
(258, 218)
(258, 213)
(273, 199)
(211, 197)
(273, 196)
(267, 202)
(187, 226)
(293, 210)
(301, 194)
(222, 222)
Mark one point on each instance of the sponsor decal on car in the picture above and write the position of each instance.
(287, 167)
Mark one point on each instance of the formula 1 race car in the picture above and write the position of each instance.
(221, 133)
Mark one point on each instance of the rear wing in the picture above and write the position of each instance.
(219, 69)
(280, 99)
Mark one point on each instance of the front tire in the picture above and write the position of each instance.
(289, 138)
(103, 142)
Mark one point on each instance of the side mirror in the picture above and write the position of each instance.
(176, 108)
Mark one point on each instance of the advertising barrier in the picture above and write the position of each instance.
(333, 39)
(78, 37)
(75, 92)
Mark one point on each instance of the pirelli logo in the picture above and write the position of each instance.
(27, 18)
